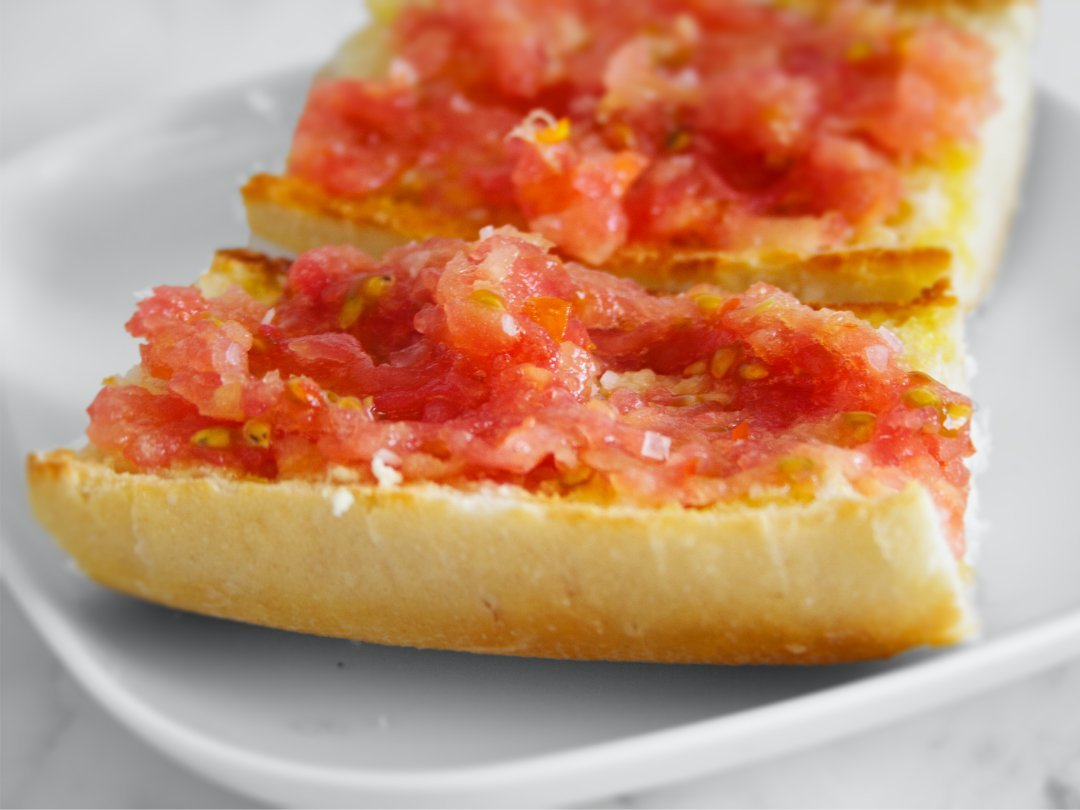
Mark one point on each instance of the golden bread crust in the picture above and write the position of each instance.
(496, 571)
(833, 278)
(307, 216)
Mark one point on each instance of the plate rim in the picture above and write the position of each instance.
(610, 766)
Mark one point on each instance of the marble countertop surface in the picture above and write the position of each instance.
(1017, 746)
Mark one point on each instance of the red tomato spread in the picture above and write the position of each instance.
(715, 124)
(493, 361)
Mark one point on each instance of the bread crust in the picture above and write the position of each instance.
(298, 216)
(497, 570)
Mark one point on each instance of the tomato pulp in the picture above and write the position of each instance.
(494, 361)
(725, 125)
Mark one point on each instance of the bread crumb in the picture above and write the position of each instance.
(381, 468)
(341, 474)
(341, 501)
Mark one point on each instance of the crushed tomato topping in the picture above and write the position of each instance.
(595, 123)
(494, 361)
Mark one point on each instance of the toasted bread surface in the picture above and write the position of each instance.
(496, 570)
(844, 576)
(294, 215)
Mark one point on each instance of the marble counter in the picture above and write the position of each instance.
(1017, 746)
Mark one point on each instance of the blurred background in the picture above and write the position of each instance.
(65, 63)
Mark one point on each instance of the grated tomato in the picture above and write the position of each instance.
(494, 361)
(715, 125)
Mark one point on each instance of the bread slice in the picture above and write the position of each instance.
(487, 568)
(496, 570)
(952, 232)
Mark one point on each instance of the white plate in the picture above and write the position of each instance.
(93, 217)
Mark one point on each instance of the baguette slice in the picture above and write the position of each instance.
(497, 569)
(952, 234)
(500, 571)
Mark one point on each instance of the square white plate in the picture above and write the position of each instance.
(91, 218)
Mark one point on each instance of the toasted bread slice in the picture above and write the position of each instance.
(488, 568)
(500, 571)
(951, 233)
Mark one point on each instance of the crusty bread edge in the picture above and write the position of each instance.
(286, 214)
(500, 571)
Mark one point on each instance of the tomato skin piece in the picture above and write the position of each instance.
(553, 314)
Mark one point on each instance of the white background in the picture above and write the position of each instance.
(64, 63)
